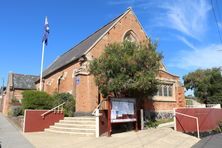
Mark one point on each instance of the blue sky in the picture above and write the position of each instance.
(186, 30)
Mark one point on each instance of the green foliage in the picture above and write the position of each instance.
(165, 120)
(127, 69)
(189, 102)
(207, 84)
(69, 107)
(15, 101)
(16, 111)
(36, 100)
(151, 124)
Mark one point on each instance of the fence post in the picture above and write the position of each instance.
(97, 123)
(141, 117)
(24, 120)
(174, 119)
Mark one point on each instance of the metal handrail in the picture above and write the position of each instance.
(197, 121)
(98, 106)
(53, 109)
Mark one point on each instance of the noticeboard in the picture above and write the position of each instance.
(123, 110)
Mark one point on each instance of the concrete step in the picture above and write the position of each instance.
(85, 122)
(80, 118)
(75, 125)
(70, 133)
(71, 129)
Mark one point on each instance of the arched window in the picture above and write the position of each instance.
(130, 36)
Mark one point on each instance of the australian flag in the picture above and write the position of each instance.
(46, 32)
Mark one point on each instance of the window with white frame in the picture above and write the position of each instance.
(165, 90)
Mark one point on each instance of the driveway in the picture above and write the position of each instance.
(159, 137)
(10, 136)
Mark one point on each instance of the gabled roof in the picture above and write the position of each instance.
(82, 48)
(21, 81)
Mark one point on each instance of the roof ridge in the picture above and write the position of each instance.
(24, 74)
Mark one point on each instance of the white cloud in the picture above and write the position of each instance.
(185, 41)
(220, 25)
(188, 17)
(207, 57)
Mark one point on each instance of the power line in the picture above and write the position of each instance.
(218, 29)
(218, 8)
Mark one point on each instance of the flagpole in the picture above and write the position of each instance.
(42, 62)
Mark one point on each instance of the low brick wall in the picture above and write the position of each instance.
(208, 119)
(33, 121)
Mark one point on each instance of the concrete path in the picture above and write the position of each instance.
(214, 141)
(157, 138)
(10, 136)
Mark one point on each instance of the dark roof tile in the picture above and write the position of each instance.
(21, 81)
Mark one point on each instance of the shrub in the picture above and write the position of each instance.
(36, 100)
(151, 124)
(16, 111)
(69, 107)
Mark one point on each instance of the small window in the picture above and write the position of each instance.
(130, 36)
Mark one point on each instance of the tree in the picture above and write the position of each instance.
(128, 69)
(206, 84)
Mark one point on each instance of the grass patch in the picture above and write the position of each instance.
(161, 121)
(155, 123)
(189, 102)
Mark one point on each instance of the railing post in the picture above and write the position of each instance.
(196, 118)
(97, 123)
(198, 130)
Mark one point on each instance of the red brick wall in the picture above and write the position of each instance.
(18, 94)
(66, 84)
(10, 94)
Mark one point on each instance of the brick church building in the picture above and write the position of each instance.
(69, 72)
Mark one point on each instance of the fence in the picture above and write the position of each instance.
(204, 106)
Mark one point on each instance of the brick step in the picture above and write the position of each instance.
(70, 133)
(75, 125)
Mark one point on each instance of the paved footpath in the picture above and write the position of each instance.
(150, 138)
(10, 136)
